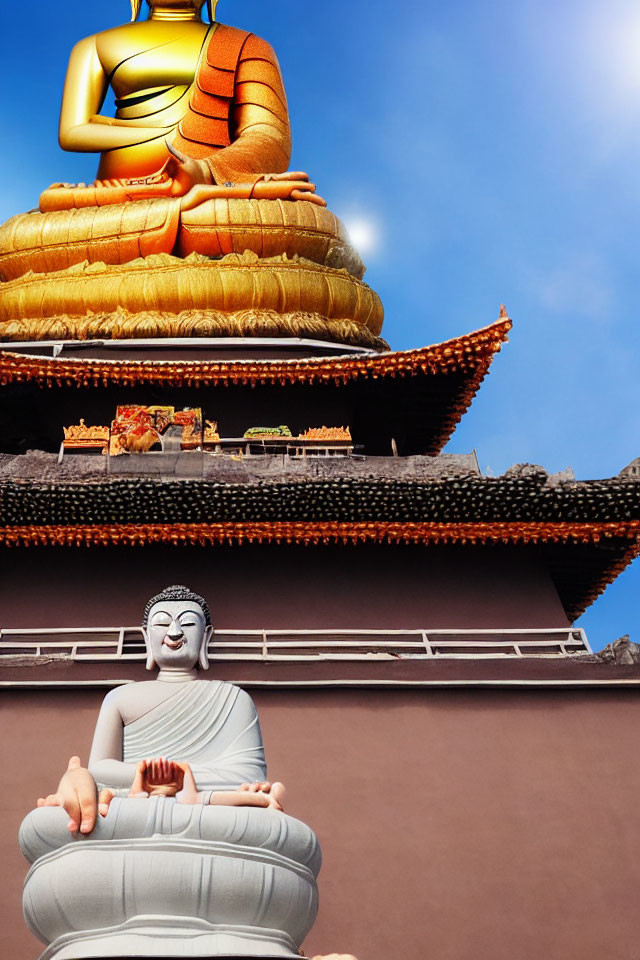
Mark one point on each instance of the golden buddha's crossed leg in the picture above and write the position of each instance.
(277, 186)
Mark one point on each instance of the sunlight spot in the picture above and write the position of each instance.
(613, 44)
(363, 234)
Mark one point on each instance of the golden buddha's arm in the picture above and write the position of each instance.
(82, 128)
(258, 150)
(260, 120)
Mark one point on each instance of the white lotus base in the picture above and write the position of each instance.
(160, 879)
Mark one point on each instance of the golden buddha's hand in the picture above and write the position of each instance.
(193, 177)
(188, 174)
(271, 186)
(184, 171)
(157, 778)
(293, 185)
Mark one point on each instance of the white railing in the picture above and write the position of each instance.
(127, 643)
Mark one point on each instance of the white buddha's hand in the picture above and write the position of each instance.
(263, 794)
(274, 793)
(77, 794)
(189, 792)
(335, 956)
(157, 778)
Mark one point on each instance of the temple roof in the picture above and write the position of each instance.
(469, 354)
(587, 532)
(415, 397)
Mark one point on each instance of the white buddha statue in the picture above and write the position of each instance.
(192, 854)
(210, 725)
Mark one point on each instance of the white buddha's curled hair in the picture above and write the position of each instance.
(177, 592)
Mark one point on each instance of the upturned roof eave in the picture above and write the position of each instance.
(466, 353)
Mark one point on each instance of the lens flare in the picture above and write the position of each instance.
(609, 41)
(363, 234)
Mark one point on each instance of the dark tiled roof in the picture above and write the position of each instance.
(588, 532)
(458, 499)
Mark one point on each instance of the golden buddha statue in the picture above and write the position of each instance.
(193, 166)
(213, 93)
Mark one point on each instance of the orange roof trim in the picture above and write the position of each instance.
(314, 533)
(471, 354)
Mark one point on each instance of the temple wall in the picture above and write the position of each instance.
(481, 824)
(285, 587)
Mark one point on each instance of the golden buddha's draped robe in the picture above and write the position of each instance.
(237, 118)
(233, 115)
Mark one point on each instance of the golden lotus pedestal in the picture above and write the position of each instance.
(148, 269)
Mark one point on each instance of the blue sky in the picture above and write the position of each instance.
(493, 152)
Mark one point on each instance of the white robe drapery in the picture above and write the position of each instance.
(209, 724)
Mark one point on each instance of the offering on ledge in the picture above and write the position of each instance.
(267, 433)
(81, 437)
(324, 434)
(137, 429)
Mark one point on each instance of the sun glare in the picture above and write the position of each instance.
(614, 52)
(627, 55)
(363, 233)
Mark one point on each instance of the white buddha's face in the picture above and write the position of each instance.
(176, 631)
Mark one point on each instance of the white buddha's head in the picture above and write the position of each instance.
(177, 627)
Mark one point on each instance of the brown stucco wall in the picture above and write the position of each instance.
(456, 825)
(270, 586)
